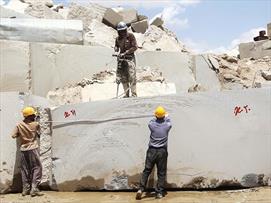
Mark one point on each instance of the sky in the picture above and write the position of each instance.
(203, 25)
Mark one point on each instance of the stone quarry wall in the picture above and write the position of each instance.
(102, 145)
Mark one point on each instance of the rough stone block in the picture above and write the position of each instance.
(40, 10)
(176, 67)
(128, 15)
(112, 18)
(42, 30)
(103, 144)
(14, 66)
(11, 106)
(140, 26)
(254, 50)
(157, 22)
(56, 65)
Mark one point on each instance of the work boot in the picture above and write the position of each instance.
(159, 196)
(35, 192)
(26, 190)
(139, 195)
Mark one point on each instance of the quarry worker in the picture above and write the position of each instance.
(126, 45)
(28, 132)
(157, 152)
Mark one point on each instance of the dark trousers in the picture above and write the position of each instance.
(158, 157)
(31, 169)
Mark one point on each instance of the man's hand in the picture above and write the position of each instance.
(118, 81)
(122, 54)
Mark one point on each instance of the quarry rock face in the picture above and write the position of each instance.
(14, 66)
(103, 144)
(12, 104)
(42, 30)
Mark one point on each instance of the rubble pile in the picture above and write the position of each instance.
(245, 73)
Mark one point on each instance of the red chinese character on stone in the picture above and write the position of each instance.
(246, 108)
(66, 114)
(73, 112)
(237, 110)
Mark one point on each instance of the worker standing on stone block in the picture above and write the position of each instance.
(126, 45)
(28, 132)
(157, 152)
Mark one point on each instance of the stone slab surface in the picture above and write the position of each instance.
(42, 30)
(102, 145)
(14, 66)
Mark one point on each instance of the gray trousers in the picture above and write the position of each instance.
(158, 157)
(31, 169)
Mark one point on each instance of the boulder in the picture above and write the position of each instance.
(42, 30)
(112, 138)
(128, 15)
(266, 75)
(16, 5)
(157, 21)
(140, 26)
(112, 18)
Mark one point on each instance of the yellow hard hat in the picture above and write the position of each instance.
(28, 111)
(160, 112)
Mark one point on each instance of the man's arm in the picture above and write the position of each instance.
(15, 132)
(116, 48)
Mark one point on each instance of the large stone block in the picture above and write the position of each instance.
(176, 67)
(205, 74)
(56, 65)
(255, 50)
(42, 30)
(112, 18)
(158, 21)
(102, 145)
(129, 15)
(11, 104)
(14, 66)
(40, 10)
(140, 26)
(8, 13)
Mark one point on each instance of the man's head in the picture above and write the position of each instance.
(262, 33)
(122, 29)
(29, 113)
(160, 112)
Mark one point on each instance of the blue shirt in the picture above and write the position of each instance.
(159, 132)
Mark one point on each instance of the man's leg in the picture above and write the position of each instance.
(36, 172)
(132, 77)
(149, 163)
(126, 89)
(26, 172)
(161, 171)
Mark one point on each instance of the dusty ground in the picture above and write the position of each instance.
(261, 195)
